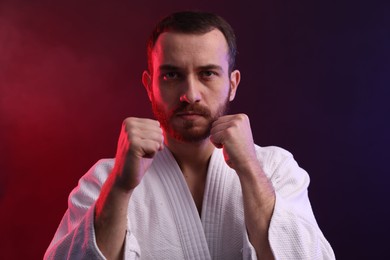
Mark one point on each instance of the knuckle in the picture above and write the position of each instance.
(242, 117)
(229, 132)
(128, 120)
(130, 125)
(127, 123)
(131, 132)
(157, 123)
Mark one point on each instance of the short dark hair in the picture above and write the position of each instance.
(195, 22)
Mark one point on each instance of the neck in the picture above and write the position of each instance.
(190, 156)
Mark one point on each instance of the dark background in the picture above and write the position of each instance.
(315, 80)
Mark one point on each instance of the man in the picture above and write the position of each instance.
(191, 185)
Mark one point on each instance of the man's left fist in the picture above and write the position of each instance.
(233, 133)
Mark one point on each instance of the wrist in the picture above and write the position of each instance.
(118, 183)
(249, 170)
(254, 180)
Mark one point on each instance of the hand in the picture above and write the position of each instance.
(140, 139)
(233, 133)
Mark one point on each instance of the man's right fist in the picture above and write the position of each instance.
(140, 139)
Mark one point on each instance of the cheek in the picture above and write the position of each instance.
(222, 93)
(165, 98)
(157, 92)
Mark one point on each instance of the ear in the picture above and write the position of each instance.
(147, 82)
(235, 78)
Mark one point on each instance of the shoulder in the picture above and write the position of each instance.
(272, 156)
(99, 172)
(101, 169)
(89, 185)
(272, 151)
(278, 162)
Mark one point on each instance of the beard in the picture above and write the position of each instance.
(189, 130)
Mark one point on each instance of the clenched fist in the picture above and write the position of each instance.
(140, 139)
(233, 133)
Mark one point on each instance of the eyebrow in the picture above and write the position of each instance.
(211, 67)
(170, 67)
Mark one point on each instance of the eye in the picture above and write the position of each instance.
(170, 75)
(208, 74)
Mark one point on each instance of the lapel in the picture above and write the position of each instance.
(213, 202)
(182, 205)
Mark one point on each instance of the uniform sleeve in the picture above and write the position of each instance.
(294, 232)
(75, 236)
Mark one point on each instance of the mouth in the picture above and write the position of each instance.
(189, 115)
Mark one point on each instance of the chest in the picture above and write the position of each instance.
(196, 183)
(165, 219)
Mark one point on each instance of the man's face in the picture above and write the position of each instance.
(190, 86)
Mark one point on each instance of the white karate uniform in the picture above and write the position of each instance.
(164, 223)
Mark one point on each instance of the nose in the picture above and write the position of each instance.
(191, 93)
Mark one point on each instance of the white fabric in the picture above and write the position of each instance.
(163, 221)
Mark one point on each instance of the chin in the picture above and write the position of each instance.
(191, 135)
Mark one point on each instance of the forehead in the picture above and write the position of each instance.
(183, 49)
